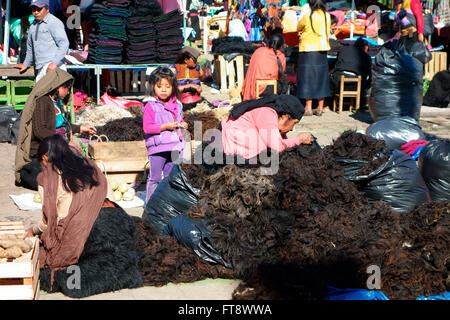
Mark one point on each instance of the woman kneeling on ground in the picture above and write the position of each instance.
(256, 125)
(75, 208)
(43, 116)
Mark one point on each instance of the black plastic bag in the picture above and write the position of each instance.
(194, 234)
(428, 25)
(396, 131)
(14, 129)
(8, 116)
(434, 165)
(173, 196)
(416, 49)
(398, 181)
(396, 85)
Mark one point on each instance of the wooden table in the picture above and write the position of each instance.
(7, 71)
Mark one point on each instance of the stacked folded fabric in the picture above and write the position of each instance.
(109, 34)
(142, 36)
(170, 36)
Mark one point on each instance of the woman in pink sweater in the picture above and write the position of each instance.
(257, 125)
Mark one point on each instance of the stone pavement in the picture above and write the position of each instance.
(326, 128)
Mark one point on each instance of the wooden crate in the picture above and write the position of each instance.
(128, 171)
(107, 151)
(19, 278)
(12, 227)
(229, 74)
(123, 161)
(20, 288)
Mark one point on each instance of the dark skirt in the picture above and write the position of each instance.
(312, 75)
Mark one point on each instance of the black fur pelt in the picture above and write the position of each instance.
(438, 94)
(109, 260)
(226, 45)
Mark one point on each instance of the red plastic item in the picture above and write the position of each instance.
(291, 38)
(120, 102)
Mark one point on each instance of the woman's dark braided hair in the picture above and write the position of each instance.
(276, 42)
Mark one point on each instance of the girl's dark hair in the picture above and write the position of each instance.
(276, 42)
(68, 84)
(76, 173)
(183, 56)
(163, 73)
(317, 5)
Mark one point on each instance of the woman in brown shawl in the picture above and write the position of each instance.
(80, 227)
(72, 190)
(43, 116)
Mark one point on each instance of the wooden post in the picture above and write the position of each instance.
(119, 81)
(112, 79)
(143, 81)
(223, 74)
(341, 94)
(240, 71)
(127, 80)
(231, 70)
(358, 95)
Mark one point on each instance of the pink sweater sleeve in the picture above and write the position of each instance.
(149, 120)
(416, 8)
(266, 120)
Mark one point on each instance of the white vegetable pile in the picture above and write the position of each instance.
(122, 191)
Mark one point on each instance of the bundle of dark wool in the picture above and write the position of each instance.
(289, 281)
(195, 174)
(199, 123)
(235, 191)
(438, 93)
(426, 268)
(136, 111)
(247, 242)
(357, 146)
(391, 175)
(353, 145)
(125, 129)
(332, 247)
(166, 261)
(224, 45)
(348, 230)
(308, 181)
(109, 260)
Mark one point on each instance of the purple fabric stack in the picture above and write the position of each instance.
(142, 36)
(170, 36)
(108, 36)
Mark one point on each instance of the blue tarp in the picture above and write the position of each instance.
(363, 294)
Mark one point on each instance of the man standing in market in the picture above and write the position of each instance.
(47, 42)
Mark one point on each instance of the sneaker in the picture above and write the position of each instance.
(318, 113)
(308, 113)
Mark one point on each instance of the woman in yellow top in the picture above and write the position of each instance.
(312, 67)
